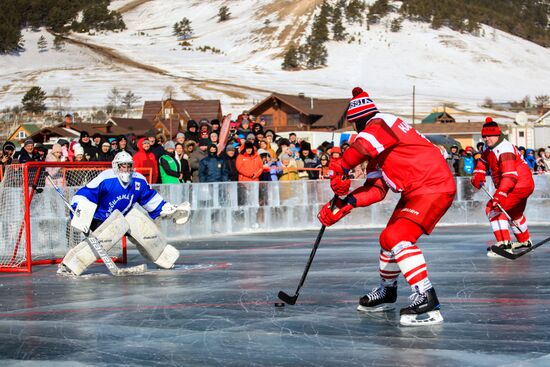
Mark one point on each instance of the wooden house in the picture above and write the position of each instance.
(285, 112)
(438, 118)
(171, 116)
(23, 132)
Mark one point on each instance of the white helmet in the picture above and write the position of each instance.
(123, 158)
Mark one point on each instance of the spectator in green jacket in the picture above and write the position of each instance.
(170, 169)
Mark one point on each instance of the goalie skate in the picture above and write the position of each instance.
(424, 310)
(378, 300)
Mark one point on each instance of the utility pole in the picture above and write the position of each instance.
(414, 95)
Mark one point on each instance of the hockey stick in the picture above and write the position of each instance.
(499, 251)
(502, 210)
(96, 246)
(291, 300)
(502, 252)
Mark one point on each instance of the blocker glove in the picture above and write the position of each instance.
(478, 179)
(341, 208)
(339, 182)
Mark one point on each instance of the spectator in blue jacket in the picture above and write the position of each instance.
(212, 168)
(530, 159)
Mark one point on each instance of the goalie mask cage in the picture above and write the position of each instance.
(34, 222)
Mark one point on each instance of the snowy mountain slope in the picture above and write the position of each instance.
(445, 66)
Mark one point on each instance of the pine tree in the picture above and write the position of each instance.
(338, 29)
(319, 30)
(291, 60)
(396, 24)
(34, 100)
(223, 14)
(58, 43)
(316, 53)
(354, 11)
(42, 44)
(183, 28)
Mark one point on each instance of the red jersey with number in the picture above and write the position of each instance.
(409, 162)
(507, 167)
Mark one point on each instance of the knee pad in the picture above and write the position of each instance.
(399, 231)
(108, 234)
(149, 241)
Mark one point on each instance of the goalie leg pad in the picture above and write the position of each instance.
(108, 233)
(149, 241)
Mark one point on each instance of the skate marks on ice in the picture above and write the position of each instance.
(152, 270)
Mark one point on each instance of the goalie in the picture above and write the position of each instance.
(105, 208)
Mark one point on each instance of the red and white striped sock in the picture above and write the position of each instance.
(389, 270)
(413, 266)
(524, 235)
(500, 226)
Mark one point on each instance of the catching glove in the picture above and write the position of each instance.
(179, 214)
(339, 182)
(341, 208)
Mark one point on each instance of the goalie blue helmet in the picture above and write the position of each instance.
(124, 174)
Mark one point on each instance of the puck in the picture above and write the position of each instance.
(279, 304)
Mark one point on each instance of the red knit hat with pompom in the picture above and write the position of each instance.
(360, 105)
(490, 128)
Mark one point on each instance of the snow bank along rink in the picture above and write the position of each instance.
(216, 307)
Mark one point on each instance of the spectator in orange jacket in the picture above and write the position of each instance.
(144, 158)
(249, 164)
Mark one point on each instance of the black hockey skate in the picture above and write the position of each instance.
(424, 310)
(378, 300)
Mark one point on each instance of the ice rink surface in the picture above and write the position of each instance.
(216, 308)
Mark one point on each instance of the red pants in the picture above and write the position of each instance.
(424, 210)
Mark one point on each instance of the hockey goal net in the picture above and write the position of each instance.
(34, 221)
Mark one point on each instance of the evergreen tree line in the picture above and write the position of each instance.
(57, 15)
(527, 19)
(327, 25)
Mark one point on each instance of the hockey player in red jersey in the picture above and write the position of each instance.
(514, 183)
(400, 159)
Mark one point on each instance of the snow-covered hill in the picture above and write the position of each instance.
(445, 66)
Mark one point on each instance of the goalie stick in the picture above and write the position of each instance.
(96, 246)
(291, 300)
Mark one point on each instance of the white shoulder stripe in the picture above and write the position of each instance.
(153, 203)
(371, 139)
(107, 174)
(389, 119)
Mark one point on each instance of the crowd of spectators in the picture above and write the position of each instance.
(249, 153)
(463, 161)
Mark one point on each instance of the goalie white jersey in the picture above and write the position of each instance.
(109, 194)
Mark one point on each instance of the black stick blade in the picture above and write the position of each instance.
(286, 298)
(502, 252)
